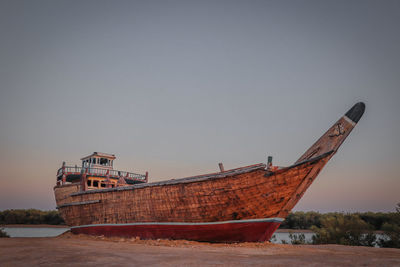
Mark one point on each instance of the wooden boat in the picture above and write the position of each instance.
(246, 204)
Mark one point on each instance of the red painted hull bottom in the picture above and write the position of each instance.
(246, 231)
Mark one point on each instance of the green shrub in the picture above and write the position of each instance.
(392, 232)
(297, 239)
(345, 230)
(301, 220)
(3, 233)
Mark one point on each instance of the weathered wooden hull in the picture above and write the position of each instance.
(255, 193)
(219, 207)
(230, 231)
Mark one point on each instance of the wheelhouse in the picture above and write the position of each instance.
(97, 172)
(98, 160)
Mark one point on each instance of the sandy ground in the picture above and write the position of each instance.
(73, 250)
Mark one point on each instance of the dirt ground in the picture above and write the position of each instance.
(80, 250)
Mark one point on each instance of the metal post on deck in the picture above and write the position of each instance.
(269, 163)
(221, 167)
(121, 181)
(64, 177)
(108, 181)
(84, 186)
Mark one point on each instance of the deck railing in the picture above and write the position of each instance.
(100, 172)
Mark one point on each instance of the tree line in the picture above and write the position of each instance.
(305, 220)
(30, 216)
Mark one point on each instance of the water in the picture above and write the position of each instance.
(34, 231)
(283, 237)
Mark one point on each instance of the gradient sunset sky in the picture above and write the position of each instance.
(174, 87)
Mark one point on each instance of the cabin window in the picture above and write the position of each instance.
(95, 184)
(103, 185)
(103, 161)
(88, 183)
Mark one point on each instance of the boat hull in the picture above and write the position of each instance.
(217, 207)
(246, 193)
(257, 230)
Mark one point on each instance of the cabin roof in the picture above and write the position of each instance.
(100, 155)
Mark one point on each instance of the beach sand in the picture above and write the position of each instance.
(80, 250)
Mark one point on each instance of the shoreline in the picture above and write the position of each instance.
(33, 226)
(301, 231)
(66, 226)
(296, 231)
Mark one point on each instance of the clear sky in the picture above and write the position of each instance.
(174, 87)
